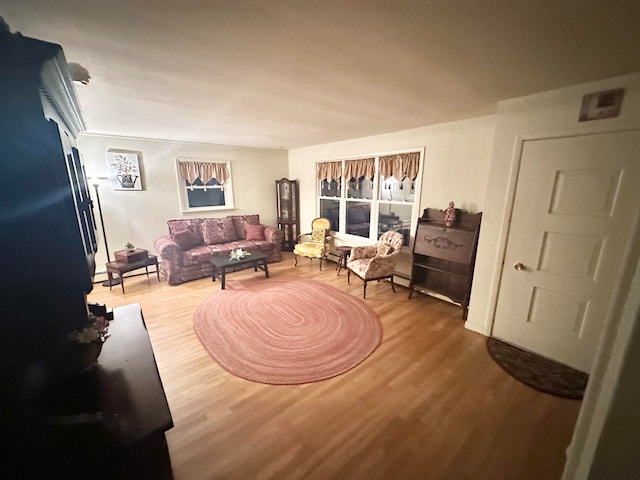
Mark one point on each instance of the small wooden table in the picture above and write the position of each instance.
(122, 268)
(222, 264)
(343, 255)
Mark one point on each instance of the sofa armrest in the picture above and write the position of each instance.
(168, 249)
(383, 262)
(274, 235)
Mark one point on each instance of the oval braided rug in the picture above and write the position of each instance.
(286, 331)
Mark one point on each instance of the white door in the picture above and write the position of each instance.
(575, 204)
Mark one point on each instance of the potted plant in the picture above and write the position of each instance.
(86, 342)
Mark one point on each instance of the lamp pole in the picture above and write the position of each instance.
(96, 184)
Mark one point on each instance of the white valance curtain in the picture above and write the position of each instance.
(205, 171)
(400, 166)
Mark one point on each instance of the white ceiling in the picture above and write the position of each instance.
(292, 73)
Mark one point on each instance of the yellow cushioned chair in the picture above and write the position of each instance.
(315, 244)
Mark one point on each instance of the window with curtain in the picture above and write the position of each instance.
(366, 197)
(204, 184)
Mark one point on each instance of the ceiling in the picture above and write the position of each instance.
(293, 73)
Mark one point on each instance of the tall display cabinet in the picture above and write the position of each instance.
(59, 419)
(288, 209)
(47, 231)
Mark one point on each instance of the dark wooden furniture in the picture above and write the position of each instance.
(47, 229)
(288, 207)
(444, 257)
(343, 253)
(222, 264)
(109, 421)
(131, 256)
(121, 268)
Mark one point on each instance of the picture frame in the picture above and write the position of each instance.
(599, 105)
(124, 171)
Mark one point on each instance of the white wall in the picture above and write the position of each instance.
(140, 216)
(456, 167)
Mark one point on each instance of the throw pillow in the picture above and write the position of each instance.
(186, 239)
(239, 222)
(384, 249)
(254, 232)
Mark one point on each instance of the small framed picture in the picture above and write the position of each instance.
(124, 171)
(597, 105)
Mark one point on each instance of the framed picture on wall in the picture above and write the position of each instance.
(124, 171)
(597, 105)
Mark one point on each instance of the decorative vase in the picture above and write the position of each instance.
(450, 215)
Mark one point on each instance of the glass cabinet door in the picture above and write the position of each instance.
(287, 211)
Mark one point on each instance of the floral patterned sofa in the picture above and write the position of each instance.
(192, 242)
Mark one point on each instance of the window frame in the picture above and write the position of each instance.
(183, 189)
(376, 202)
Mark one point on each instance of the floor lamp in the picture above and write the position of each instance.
(96, 182)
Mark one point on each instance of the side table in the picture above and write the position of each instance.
(343, 255)
(122, 268)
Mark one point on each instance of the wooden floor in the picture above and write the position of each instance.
(429, 403)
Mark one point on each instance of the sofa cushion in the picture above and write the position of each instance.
(254, 232)
(218, 230)
(193, 224)
(239, 222)
(198, 255)
(186, 239)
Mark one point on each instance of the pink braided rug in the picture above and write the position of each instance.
(286, 331)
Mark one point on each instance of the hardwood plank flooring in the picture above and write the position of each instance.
(429, 403)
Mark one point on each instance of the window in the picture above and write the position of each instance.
(366, 197)
(204, 185)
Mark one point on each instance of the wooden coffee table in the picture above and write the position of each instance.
(222, 264)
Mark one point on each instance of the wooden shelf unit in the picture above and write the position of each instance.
(444, 257)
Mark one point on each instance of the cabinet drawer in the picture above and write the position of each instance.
(446, 243)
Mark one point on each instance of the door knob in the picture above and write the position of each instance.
(518, 266)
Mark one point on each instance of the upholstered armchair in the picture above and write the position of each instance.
(315, 244)
(375, 262)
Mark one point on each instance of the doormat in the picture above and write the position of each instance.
(538, 372)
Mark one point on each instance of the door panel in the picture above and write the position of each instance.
(575, 203)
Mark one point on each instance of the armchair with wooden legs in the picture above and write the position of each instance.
(375, 262)
(316, 241)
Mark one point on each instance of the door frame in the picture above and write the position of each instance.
(633, 246)
(607, 364)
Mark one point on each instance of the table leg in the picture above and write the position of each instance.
(222, 279)
(146, 269)
(157, 270)
(266, 269)
(122, 283)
